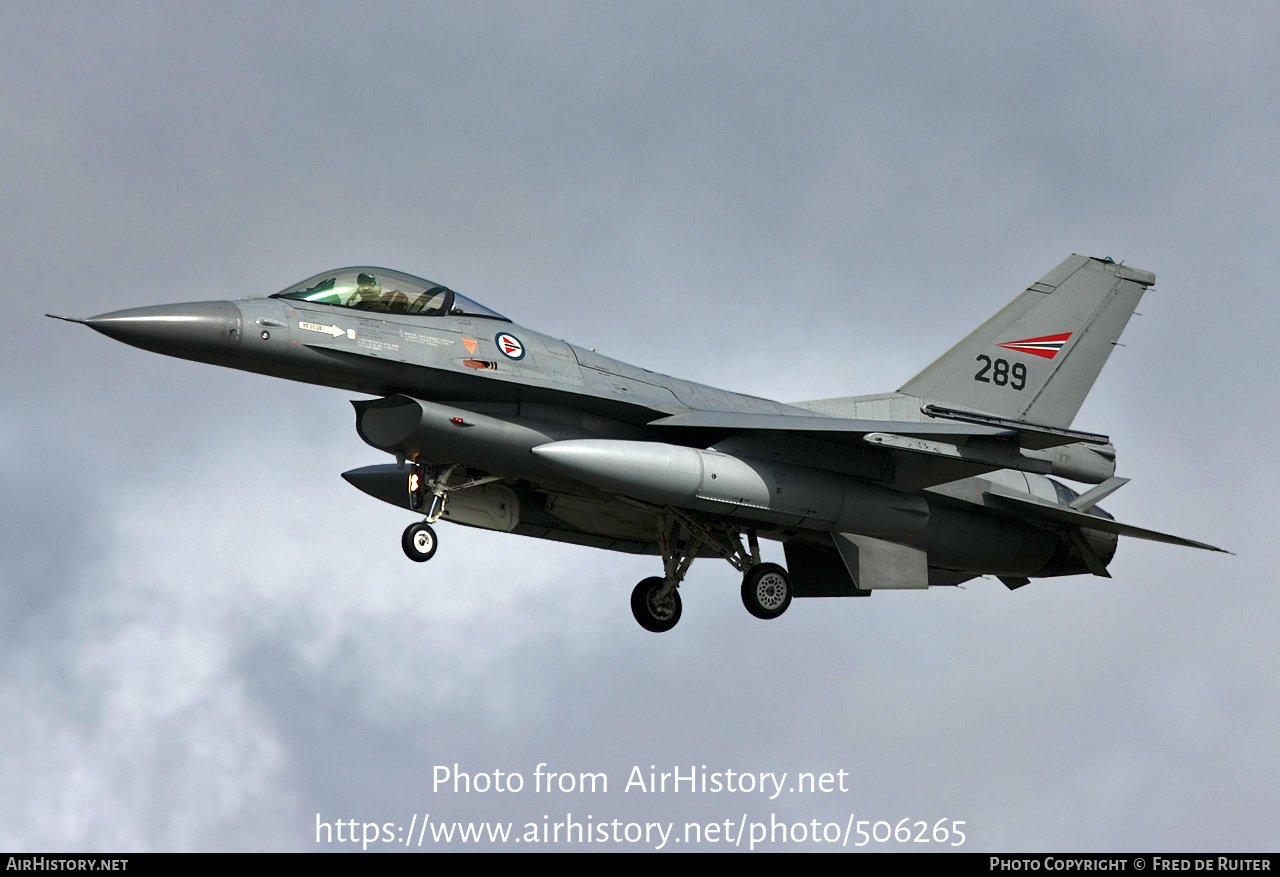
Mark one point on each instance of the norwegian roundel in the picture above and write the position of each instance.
(510, 345)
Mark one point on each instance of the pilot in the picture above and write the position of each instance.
(366, 295)
(366, 289)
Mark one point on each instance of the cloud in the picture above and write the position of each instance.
(209, 638)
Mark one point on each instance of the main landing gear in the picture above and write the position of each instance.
(655, 602)
(766, 590)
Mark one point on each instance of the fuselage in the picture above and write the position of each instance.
(464, 385)
(497, 426)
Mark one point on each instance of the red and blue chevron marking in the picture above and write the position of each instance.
(1046, 345)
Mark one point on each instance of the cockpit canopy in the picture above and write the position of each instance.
(387, 292)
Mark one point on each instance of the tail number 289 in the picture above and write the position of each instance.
(1001, 373)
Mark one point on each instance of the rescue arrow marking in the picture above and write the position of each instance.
(333, 331)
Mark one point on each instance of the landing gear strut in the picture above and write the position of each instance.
(655, 602)
(428, 490)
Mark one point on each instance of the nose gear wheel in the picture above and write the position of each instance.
(419, 542)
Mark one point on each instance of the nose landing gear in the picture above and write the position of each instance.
(419, 542)
(426, 488)
(429, 489)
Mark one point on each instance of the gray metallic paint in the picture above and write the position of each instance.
(589, 449)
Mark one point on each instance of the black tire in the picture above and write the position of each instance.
(652, 616)
(766, 590)
(419, 542)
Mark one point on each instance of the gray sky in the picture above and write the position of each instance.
(207, 637)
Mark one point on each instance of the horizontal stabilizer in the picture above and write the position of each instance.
(1062, 517)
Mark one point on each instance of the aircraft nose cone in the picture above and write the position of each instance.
(205, 331)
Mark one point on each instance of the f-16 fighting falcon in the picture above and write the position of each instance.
(496, 426)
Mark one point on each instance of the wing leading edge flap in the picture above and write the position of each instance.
(1061, 517)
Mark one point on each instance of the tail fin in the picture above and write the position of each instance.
(1037, 358)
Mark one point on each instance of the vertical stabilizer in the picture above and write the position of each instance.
(1037, 358)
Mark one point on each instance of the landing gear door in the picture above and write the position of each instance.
(877, 564)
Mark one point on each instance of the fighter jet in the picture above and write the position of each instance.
(500, 427)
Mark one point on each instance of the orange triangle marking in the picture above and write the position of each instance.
(470, 344)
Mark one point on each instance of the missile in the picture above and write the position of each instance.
(724, 484)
